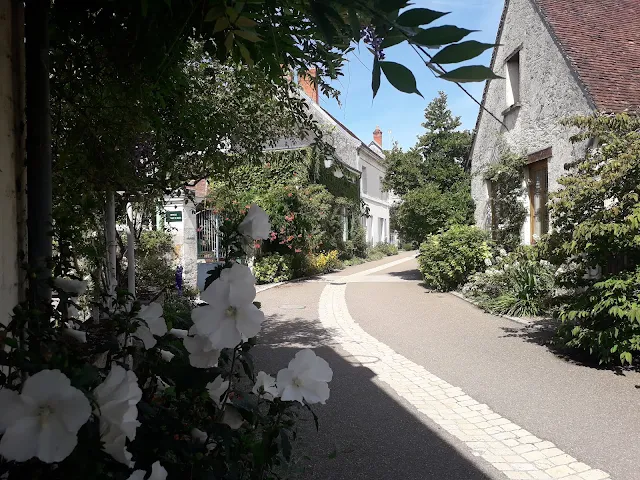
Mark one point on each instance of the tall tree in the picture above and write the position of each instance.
(430, 178)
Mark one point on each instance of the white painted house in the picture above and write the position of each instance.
(559, 58)
(366, 160)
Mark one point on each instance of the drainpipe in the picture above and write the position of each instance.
(38, 147)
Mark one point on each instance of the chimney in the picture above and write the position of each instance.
(377, 136)
(309, 84)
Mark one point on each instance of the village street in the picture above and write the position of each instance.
(427, 386)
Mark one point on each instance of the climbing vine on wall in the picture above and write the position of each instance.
(506, 189)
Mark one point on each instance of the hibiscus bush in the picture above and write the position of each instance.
(134, 394)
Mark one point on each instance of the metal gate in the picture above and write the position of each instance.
(208, 235)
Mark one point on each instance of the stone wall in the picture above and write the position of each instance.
(549, 92)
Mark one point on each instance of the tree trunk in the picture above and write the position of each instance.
(38, 143)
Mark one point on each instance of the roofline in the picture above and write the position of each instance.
(563, 52)
(565, 55)
(342, 125)
(486, 84)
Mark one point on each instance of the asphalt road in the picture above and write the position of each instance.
(367, 431)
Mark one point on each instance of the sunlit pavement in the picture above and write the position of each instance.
(427, 386)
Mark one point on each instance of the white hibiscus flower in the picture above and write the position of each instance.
(230, 314)
(152, 323)
(217, 389)
(43, 420)
(256, 224)
(306, 378)
(202, 353)
(265, 386)
(117, 399)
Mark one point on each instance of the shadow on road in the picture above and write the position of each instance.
(413, 274)
(542, 332)
(364, 432)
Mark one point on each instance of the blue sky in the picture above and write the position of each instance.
(400, 115)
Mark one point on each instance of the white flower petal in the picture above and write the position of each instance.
(150, 312)
(158, 472)
(55, 443)
(73, 410)
(232, 417)
(199, 435)
(46, 384)
(290, 394)
(20, 441)
(227, 335)
(217, 388)
(137, 475)
(265, 386)
(166, 355)
(11, 407)
(249, 320)
(178, 333)
(117, 448)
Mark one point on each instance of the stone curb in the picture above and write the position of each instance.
(521, 321)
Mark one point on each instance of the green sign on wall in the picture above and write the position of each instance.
(174, 216)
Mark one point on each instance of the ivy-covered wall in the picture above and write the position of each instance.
(295, 167)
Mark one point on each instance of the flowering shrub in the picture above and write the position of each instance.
(134, 393)
(447, 259)
(518, 284)
(324, 262)
(273, 268)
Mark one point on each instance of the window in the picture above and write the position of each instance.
(513, 79)
(383, 192)
(381, 230)
(364, 179)
(369, 229)
(538, 195)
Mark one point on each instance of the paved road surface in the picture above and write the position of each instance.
(377, 426)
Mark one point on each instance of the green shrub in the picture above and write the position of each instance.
(407, 246)
(386, 249)
(154, 261)
(273, 268)
(605, 319)
(356, 246)
(518, 284)
(427, 210)
(448, 259)
(596, 216)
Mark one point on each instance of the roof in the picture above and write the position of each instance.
(601, 41)
(342, 125)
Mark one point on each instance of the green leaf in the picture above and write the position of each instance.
(436, 36)
(473, 73)
(221, 24)
(614, 349)
(286, 445)
(418, 16)
(400, 77)
(355, 24)
(375, 77)
(246, 55)
(212, 14)
(245, 22)
(11, 342)
(248, 35)
(461, 51)
(394, 37)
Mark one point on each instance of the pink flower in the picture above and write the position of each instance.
(290, 194)
(256, 245)
(289, 246)
(298, 250)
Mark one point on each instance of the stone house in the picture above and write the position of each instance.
(559, 58)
